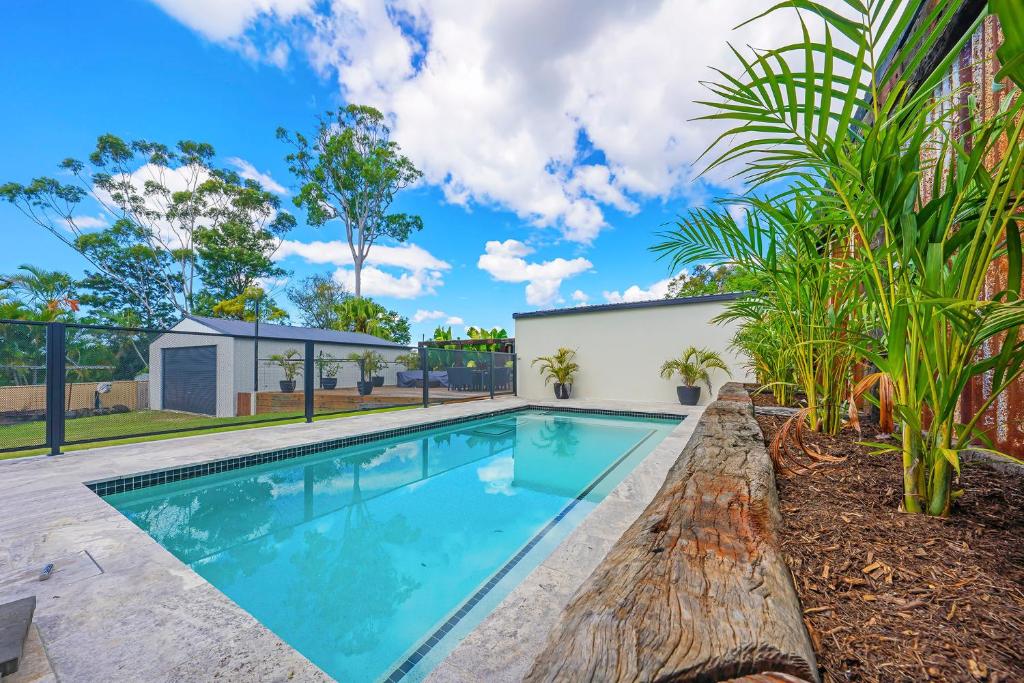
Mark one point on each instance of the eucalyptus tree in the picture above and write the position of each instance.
(317, 298)
(175, 215)
(351, 171)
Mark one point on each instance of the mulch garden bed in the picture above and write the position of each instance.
(889, 596)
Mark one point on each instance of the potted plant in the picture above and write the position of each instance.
(329, 366)
(561, 368)
(694, 365)
(289, 362)
(369, 363)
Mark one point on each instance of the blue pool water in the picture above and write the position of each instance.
(359, 557)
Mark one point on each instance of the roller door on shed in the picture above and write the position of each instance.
(189, 379)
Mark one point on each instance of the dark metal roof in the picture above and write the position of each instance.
(241, 328)
(599, 308)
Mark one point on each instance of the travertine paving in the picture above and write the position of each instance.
(121, 608)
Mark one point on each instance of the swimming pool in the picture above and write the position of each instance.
(373, 560)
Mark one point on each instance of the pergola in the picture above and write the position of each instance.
(506, 345)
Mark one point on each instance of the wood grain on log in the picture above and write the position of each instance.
(696, 589)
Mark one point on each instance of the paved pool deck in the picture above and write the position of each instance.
(121, 608)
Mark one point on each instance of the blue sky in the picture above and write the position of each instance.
(554, 144)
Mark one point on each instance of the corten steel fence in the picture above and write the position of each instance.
(971, 77)
(68, 383)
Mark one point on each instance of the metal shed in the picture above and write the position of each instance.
(203, 365)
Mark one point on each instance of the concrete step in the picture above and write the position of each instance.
(15, 620)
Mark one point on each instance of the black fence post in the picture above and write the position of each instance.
(56, 378)
(307, 379)
(490, 378)
(515, 371)
(426, 376)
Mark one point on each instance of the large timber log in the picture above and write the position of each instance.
(696, 589)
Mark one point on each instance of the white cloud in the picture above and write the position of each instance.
(336, 252)
(420, 315)
(226, 20)
(420, 272)
(376, 282)
(580, 297)
(658, 290)
(504, 261)
(97, 222)
(556, 111)
(423, 315)
(249, 172)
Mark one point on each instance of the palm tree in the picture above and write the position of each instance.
(560, 367)
(363, 315)
(902, 221)
(694, 365)
(41, 294)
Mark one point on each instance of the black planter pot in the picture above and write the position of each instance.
(287, 385)
(378, 381)
(364, 388)
(562, 390)
(328, 382)
(688, 396)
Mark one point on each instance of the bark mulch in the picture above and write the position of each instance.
(889, 596)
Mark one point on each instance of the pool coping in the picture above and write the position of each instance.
(90, 614)
(505, 643)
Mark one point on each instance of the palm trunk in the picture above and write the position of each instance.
(913, 471)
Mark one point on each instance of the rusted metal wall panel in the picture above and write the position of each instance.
(972, 74)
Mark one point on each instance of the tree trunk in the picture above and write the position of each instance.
(357, 267)
(697, 588)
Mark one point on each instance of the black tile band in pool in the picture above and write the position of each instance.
(138, 481)
(434, 639)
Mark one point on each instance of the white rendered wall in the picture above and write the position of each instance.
(620, 351)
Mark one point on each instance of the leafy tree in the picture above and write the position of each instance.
(124, 292)
(705, 279)
(351, 171)
(369, 317)
(318, 297)
(244, 306)
(483, 335)
(162, 200)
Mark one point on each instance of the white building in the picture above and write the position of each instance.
(202, 365)
(620, 347)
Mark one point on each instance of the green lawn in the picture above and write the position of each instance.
(117, 428)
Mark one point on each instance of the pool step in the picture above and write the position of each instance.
(15, 620)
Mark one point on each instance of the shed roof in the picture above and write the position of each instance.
(241, 328)
(599, 308)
